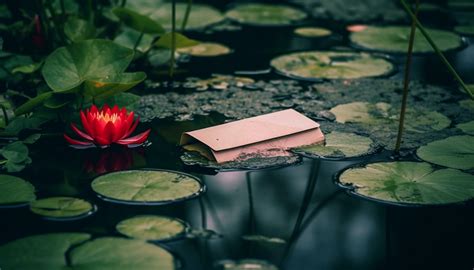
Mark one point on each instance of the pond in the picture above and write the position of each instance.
(292, 212)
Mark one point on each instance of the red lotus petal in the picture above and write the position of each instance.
(115, 109)
(93, 109)
(137, 139)
(81, 133)
(86, 124)
(76, 142)
(130, 130)
(98, 126)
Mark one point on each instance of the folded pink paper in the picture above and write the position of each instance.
(274, 131)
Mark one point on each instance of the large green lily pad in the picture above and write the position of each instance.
(265, 14)
(339, 145)
(316, 65)
(418, 120)
(157, 228)
(454, 152)
(99, 62)
(200, 17)
(409, 183)
(394, 39)
(61, 207)
(147, 187)
(14, 190)
(75, 251)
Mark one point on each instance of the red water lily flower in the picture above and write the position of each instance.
(106, 126)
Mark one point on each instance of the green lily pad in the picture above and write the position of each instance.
(245, 264)
(62, 207)
(200, 17)
(137, 21)
(312, 32)
(157, 228)
(465, 29)
(263, 239)
(467, 128)
(14, 190)
(339, 145)
(394, 39)
(101, 62)
(112, 85)
(147, 187)
(77, 29)
(316, 65)
(265, 14)
(48, 252)
(206, 49)
(409, 183)
(419, 120)
(129, 37)
(467, 104)
(454, 152)
(182, 41)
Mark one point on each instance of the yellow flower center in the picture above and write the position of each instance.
(106, 117)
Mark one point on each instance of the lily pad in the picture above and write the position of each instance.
(419, 120)
(316, 65)
(14, 191)
(312, 32)
(129, 37)
(206, 49)
(75, 251)
(339, 145)
(454, 152)
(99, 62)
(137, 21)
(467, 128)
(245, 264)
(409, 183)
(62, 208)
(394, 39)
(265, 14)
(147, 187)
(200, 17)
(156, 228)
(77, 29)
(465, 29)
(264, 239)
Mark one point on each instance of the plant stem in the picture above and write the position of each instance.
(186, 15)
(139, 39)
(63, 8)
(124, 2)
(5, 115)
(173, 38)
(437, 50)
(406, 82)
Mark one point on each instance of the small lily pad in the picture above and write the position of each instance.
(312, 32)
(467, 104)
(129, 37)
(48, 252)
(409, 183)
(62, 207)
(263, 239)
(339, 145)
(201, 16)
(206, 49)
(453, 152)
(15, 191)
(265, 14)
(316, 65)
(394, 39)
(147, 187)
(467, 128)
(245, 264)
(156, 228)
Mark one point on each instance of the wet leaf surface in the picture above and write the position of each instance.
(14, 190)
(157, 228)
(265, 14)
(409, 183)
(454, 152)
(61, 207)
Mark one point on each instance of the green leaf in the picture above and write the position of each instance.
(32, 138)
(127, 100)
(409, 183)
(57, 101)
(314, 65)
(31, 104)
(14, 190)
(467, 128)
(394, 39)
(110, 86)
(181, 41)
(13, 167)
(129, 37)
(206, 49)
(16, 152)
(338, 145)
(265, 14)
(139, 22)
(27, 69)
(146, 187)
(77, 29)
(20, 123)
(61, 207)
(156, 228)
(454, 152)
(68, 67)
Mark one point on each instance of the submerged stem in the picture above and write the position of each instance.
(437, 50)
(406, 81)
(186, 15)
(173, 37)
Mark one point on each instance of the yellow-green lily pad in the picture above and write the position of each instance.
(147, 187)
(409, 183)
(15, 191)
(453, 152)
(62, 207)
(206, 49)
(312, 32)
(265, 14)
(317, 65)
(149, 227)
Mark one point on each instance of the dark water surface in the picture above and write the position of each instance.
(323, 227)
